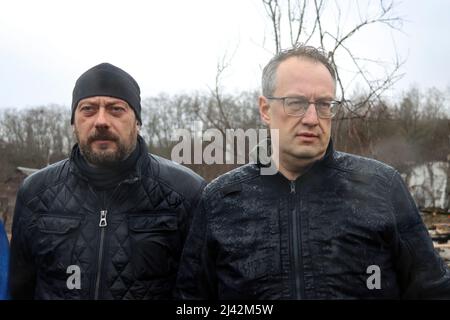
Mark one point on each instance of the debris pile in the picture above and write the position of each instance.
(438, 225)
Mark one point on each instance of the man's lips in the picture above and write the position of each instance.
(101, 141)
(307, 135)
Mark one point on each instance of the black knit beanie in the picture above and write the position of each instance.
(107, 80)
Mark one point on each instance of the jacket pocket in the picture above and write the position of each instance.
(155, 245)
(57, 225)
(56, 242)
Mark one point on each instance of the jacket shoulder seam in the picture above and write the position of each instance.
(215, 189)
(45, 186)
(374, 174)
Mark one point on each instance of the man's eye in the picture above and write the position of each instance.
(324, 104)
(300, 103)
(117, 109)
(87, 108)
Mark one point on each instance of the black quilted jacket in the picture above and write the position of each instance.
(328, 235)
(126, 244)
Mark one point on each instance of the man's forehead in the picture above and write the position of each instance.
(305, 71)
(102, 99)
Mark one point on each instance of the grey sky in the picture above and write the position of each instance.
(173, 46)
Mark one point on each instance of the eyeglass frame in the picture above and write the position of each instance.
(336, 104)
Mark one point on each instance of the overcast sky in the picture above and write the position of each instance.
(174, 46)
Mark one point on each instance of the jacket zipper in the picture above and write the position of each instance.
(296, 249)
(102, 224)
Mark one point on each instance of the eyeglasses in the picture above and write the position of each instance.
(297, 106)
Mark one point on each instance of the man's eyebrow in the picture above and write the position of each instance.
(117, 102)
(325, 97)
(109, 103)
(320, 97)
(88, 101)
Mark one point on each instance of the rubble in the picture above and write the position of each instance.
(439, 229)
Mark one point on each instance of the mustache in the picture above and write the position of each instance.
(102, 136)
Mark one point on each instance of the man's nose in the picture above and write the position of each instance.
(310, 118)
(102, 118)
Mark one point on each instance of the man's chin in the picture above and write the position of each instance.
(103, 145)
(99, 152)
(102, 157)
(308, 152)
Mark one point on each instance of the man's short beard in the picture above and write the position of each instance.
(105, 158)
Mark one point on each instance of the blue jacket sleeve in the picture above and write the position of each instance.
(4, 263)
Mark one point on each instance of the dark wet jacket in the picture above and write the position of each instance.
(126, 245)
(347, 228)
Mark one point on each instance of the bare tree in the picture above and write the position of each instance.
(36, 137)
(311, 22)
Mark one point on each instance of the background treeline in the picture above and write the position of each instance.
(411, 131)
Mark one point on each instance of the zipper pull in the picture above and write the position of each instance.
(292, 186)
(103, 222)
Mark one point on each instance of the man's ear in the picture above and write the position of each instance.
(264, 109)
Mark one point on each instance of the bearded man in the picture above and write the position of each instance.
(110, 221)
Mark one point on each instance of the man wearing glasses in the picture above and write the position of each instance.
(327, 225)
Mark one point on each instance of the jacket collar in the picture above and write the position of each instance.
(283, 185)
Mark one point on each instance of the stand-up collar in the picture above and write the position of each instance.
(283, 184)
(108, 177)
